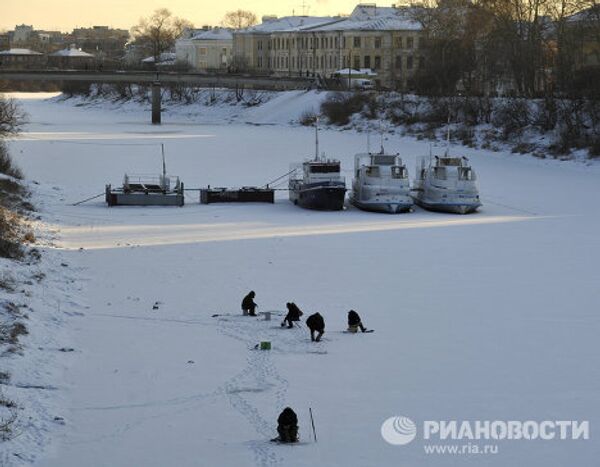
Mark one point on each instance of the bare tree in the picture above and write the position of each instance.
(239, 19)
(11, 117)
(158, 32)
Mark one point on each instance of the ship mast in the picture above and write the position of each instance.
(316, 138)
(448, 137)
(162, 147)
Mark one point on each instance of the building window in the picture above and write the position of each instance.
(378, 42)
(357, 42)
(409, 42)
(356, 63)
(203, 51)
(409, 62)
(377, 63)
(367, 61)
(421, 62)
(398, 63)
(398, 42)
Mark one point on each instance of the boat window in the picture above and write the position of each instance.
(373, 171)
(325, 168)
(383, 160)
(398, 172)
(466, 173)
(450, 162)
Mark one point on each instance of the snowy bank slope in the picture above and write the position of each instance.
(484, 317)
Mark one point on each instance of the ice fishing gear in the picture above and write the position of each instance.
(312, 422)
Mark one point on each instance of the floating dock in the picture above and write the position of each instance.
(146, 191)
(247, 194)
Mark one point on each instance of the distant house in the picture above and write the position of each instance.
(206, 50)
(71, 58)
(21, 59)
(105, 42)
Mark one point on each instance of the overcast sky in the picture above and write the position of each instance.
(64, 15)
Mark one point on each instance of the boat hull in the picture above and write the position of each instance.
(389, 207)
(450, 207)
(321, 198)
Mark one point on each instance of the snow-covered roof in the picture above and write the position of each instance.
(288, 23)
(372, 18)
(71, 52)
(19, 52)
(217, 34)
(589, 14)
(353, 71)
(165, 58)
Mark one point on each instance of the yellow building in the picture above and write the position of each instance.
(383, 39)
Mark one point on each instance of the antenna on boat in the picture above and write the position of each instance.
(448, 137)
(368, 139)
(162, 148)
(381, 136)
(317, 138)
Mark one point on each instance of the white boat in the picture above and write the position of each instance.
(447, 184)
(380, 183)
(318, 183)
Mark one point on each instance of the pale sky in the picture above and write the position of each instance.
(64, 15)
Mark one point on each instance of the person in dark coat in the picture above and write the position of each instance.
(248, 305)
(354, 322)
(316, 323)
(287, 426)
(293, 314)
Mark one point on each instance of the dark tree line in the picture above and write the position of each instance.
(528, 48)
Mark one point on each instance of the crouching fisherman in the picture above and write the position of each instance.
(294, 313)
(316, 324)
(248, 305)
(354, 322)
(287, 426)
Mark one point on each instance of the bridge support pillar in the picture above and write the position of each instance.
(156, 103)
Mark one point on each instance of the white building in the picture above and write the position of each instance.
(206, 50)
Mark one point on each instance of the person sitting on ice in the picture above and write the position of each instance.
(293, 314)
(316, 323)
(248, 305)
(354, 322)
(287, 426)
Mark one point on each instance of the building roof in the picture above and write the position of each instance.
(373, 18)
(165, 58)
(216, 34)
(354, 71)
(71, 52)
(19, 52)
(288, 23)
(365, 17)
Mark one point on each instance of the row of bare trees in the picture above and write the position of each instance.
(522, 47)
(158, 32)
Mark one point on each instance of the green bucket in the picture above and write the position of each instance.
(265, 345)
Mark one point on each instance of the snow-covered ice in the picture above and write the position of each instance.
(492, 316)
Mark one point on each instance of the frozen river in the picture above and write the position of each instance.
(491, 316)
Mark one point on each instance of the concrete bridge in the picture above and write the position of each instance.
(231, 81)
